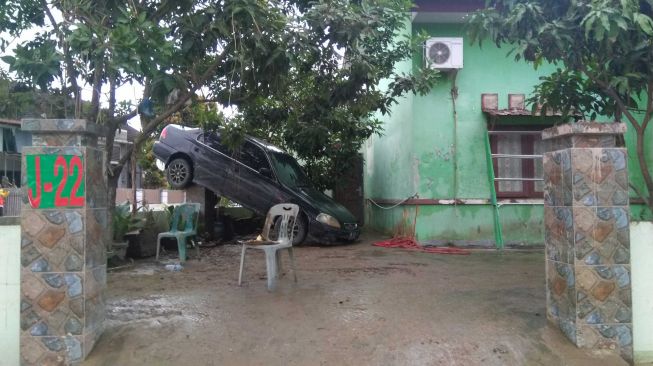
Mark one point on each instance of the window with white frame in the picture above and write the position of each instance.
(517, 161)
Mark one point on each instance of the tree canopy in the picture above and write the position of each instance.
(302, 74)
(19, 100)
(604, 52)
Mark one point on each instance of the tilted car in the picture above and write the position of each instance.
(257, 175)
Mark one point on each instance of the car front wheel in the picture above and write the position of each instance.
(179, 173)
(300, 229)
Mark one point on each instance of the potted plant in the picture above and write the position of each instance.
(142, 240)
(124, 224)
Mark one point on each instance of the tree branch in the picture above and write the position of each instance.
(640, 130)
(638, 192)
(649, 105)
(612, 93)
(70, 67)
(179, 104)
(97, 88)
(232, 100)
(112, 96)
(643, 165)
(121, 120)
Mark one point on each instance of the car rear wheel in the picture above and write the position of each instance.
(179, 173)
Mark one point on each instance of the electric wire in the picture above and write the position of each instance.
(393, 206)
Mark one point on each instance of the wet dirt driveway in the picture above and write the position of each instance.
(353, 305)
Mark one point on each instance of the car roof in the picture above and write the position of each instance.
(184, 128)
(266, 145)
(261, 143)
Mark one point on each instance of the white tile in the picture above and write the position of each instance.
(9, 255)
(9, 294)
(9, 325)
(641, 254)
(4, 261)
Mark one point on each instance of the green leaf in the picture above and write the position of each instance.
(621, 23)
(588, 22)
(169, 83)
(11, 60)
(605, 22)
(645, 23)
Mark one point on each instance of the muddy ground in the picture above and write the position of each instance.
(354, 305)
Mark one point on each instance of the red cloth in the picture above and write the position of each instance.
(411, 244)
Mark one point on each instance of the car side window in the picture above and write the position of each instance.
(252, 156)
(213, 140)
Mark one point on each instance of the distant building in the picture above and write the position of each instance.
(124, 137)
(445, 157)
(14, 139)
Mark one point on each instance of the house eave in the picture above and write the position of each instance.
(439, 18)
(9, 122)
(439, 11)
(448, 6)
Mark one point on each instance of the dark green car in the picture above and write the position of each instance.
(257, 176)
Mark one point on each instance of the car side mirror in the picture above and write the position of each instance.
(266, 172)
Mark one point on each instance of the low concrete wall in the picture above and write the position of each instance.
(9, 290)
(641, 252)
(123, 194)
(151, 196)
(176, 196)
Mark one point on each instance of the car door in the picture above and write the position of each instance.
(257, 187)
(214, 166)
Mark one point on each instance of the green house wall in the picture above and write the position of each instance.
(424, 150)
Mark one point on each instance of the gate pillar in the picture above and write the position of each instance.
(64, 231)
(586, 217)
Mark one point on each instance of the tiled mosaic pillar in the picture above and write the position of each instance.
(64, 230)
(587, 235)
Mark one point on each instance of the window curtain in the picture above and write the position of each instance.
(507, 167)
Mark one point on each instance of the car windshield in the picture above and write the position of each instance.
(288, 171)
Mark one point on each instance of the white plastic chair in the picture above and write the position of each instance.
(272, 248)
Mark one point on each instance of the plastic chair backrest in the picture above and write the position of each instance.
(288, 213)
(189, 213)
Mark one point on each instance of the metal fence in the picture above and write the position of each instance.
(13, 202)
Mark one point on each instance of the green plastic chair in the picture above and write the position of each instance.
(188, 215)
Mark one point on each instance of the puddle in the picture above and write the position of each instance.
(141, 269)
(336, 256)
(411, 264)
(150, 308)
(382, 271)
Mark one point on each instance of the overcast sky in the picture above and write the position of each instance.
(130, 93)
(125, 93)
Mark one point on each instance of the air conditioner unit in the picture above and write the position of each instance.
(444, 53)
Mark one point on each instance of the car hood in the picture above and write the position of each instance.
(326, 204)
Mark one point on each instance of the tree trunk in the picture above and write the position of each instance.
(133, 175)
(112, 184)
(643, 166)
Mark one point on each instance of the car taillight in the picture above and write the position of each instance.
(164, 133)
